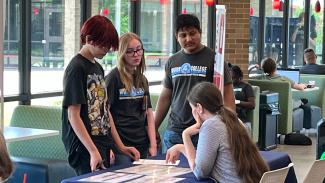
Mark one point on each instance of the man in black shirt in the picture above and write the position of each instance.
(244, 93)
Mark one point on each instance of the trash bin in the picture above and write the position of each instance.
(268, 122)
(320, 139)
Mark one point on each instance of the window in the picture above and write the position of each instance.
(47, 40)
(157, 36)
(11, 48)
(296, 33)
(118, 12)
(273, 32)
(316, 29)
(253, 29)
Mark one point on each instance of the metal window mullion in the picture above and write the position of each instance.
(135, 12)
(24, 60)
(261, 33)
(176, 11)
(306, 23)
(211, 26)
(285, 34)
(85, 8)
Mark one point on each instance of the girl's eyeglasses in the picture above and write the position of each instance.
(132, 52)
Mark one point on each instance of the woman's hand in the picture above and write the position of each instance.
(173, 153)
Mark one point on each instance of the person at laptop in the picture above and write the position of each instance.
(269, 68)
(311, 67)
(244, 94)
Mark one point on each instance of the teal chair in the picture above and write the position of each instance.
(42, 159)
(316, 97)
(285, 101)
(253, 115)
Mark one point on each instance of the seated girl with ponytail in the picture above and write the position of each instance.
(225, 152)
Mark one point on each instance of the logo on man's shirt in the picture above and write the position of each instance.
(187, 70)
(134, 94)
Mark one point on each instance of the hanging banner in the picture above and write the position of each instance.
(219, 46)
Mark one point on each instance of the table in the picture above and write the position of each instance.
(13, 134)
(274, 159)
(306, 90)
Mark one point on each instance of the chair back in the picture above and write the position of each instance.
(316, 173)
(278, 175)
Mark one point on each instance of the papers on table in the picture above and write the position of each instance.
(124, 177)
(154, 162)
(111, 177)
(141, 173)
(155, 170)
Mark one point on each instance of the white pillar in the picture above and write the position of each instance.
(71, 29)
(2, 22)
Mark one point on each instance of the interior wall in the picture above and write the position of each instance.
(237, 33)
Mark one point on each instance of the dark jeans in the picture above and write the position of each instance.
(121, 158)
(172, 138)
(83, 165)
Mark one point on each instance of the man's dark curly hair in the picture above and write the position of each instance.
(268, 66)
(187, 20)
(237, 72)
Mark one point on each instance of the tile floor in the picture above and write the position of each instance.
(301, 156)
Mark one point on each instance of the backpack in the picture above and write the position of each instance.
(297, 139)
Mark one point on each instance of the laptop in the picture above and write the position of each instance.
(292, 74)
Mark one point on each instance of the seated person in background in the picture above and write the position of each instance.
(269, 68)
(6, 166)
(244, 93)
(311, 67)
(223, 141)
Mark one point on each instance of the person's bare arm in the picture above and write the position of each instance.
(249, 104)
(163, 105)
(299, 86)
(81, 132)
(312, 42)
(295, 32)
(151, 133)
(229, 97)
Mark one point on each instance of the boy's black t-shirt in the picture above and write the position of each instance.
(84, 84)
(128, 110)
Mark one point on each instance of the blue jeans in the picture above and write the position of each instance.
(121, 158)
(172, 138)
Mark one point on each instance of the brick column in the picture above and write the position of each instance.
(71, 29)
(237, 32)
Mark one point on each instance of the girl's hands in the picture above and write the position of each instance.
(173, 153)
(153, 151)
(132, 152)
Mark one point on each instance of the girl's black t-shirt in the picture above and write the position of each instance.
(128, 111)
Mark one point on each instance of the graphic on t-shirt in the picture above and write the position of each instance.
(97, 109)
(187, 70)
(134, 94)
